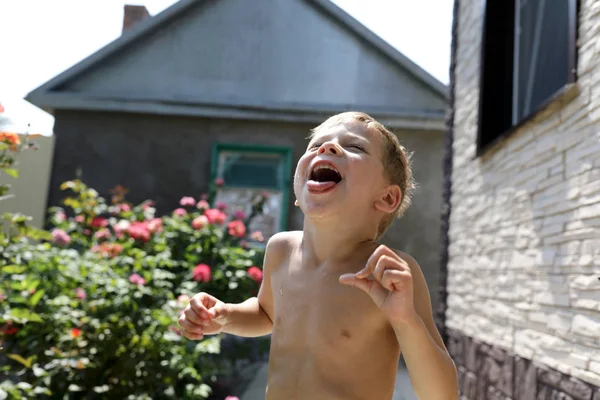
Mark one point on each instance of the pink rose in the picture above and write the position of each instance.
(200, 222)
(80, 293)
(155, 225)
(255, 274)
(258, 236)
(203, 205)
(60, 216)
(201, 273)
(137, 280)
(139, 231)
(187, 202)
(239, 214)
(61, 237)
(219, 182)
(125, 207)
(79, 219)
(215, 216)
(102, 234)
(236, 228)
(183, 298)
(231, 398)
(147, 204)
(180, 212)
(121, 227)
(221, 205)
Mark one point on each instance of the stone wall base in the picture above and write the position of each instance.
(489, 373)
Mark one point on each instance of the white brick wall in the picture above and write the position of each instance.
(525, 224)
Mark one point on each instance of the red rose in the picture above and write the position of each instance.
(255, 274)
(201, 273)
(99, 222)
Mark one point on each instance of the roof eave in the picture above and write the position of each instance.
(315, 113)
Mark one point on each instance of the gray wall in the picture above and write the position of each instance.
(282, 52)
(165, 158)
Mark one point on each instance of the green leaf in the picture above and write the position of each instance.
(37, 296)
(203, 390)
(75, 388)
(24, 315)
(101, 389)
(26, 362)
(12, 172)
(24, 386)
(13, 269)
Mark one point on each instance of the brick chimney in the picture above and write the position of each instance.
(133, 15)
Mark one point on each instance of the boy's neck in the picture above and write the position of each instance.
(336, 240)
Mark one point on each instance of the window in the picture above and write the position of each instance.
(528, 56)
(247, 172)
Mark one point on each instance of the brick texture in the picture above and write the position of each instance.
(486, 372)
(524, 234)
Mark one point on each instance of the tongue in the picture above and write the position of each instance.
(315, 186)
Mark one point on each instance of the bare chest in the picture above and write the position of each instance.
(315, 311)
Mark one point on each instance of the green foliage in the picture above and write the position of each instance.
(90, 310)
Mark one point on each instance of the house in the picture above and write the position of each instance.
(216, 89)
(522, 195)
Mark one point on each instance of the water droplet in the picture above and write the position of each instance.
(281, 292)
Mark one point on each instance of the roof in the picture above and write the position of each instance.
(46, 95)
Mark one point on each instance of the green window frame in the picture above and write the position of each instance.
(283, 174)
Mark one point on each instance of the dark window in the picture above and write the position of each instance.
(528, 55)
(252, 170)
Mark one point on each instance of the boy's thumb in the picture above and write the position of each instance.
(218, 312)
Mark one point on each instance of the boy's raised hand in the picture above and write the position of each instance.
(204, 315)
(391, 287)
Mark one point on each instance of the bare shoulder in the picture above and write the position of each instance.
(281, 244)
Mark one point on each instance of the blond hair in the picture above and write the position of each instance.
(396, 160)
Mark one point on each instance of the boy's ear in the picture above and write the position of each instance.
(389, 200)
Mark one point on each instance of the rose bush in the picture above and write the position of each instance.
(91, 307)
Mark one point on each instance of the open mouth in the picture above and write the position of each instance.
(323, 177)
(325, 173)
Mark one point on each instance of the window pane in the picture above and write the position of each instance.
(250, 169)
(541, 53)
(242, 199)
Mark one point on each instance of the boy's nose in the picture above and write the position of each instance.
(329, 148)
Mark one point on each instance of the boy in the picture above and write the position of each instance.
(339, 306)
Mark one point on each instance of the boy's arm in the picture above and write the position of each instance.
(432, 372)
(207, 315)
(400, 291)
(254, 317)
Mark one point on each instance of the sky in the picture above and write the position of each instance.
(39, 39)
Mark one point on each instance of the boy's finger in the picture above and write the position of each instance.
(196, 304)
(192, 316)
(192, 336)
(374, 258)
(189, 326)
(218, 312)
(354, 280)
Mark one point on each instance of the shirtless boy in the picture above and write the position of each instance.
(339, 306)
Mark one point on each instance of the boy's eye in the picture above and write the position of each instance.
(316, 145)
(357, 146)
